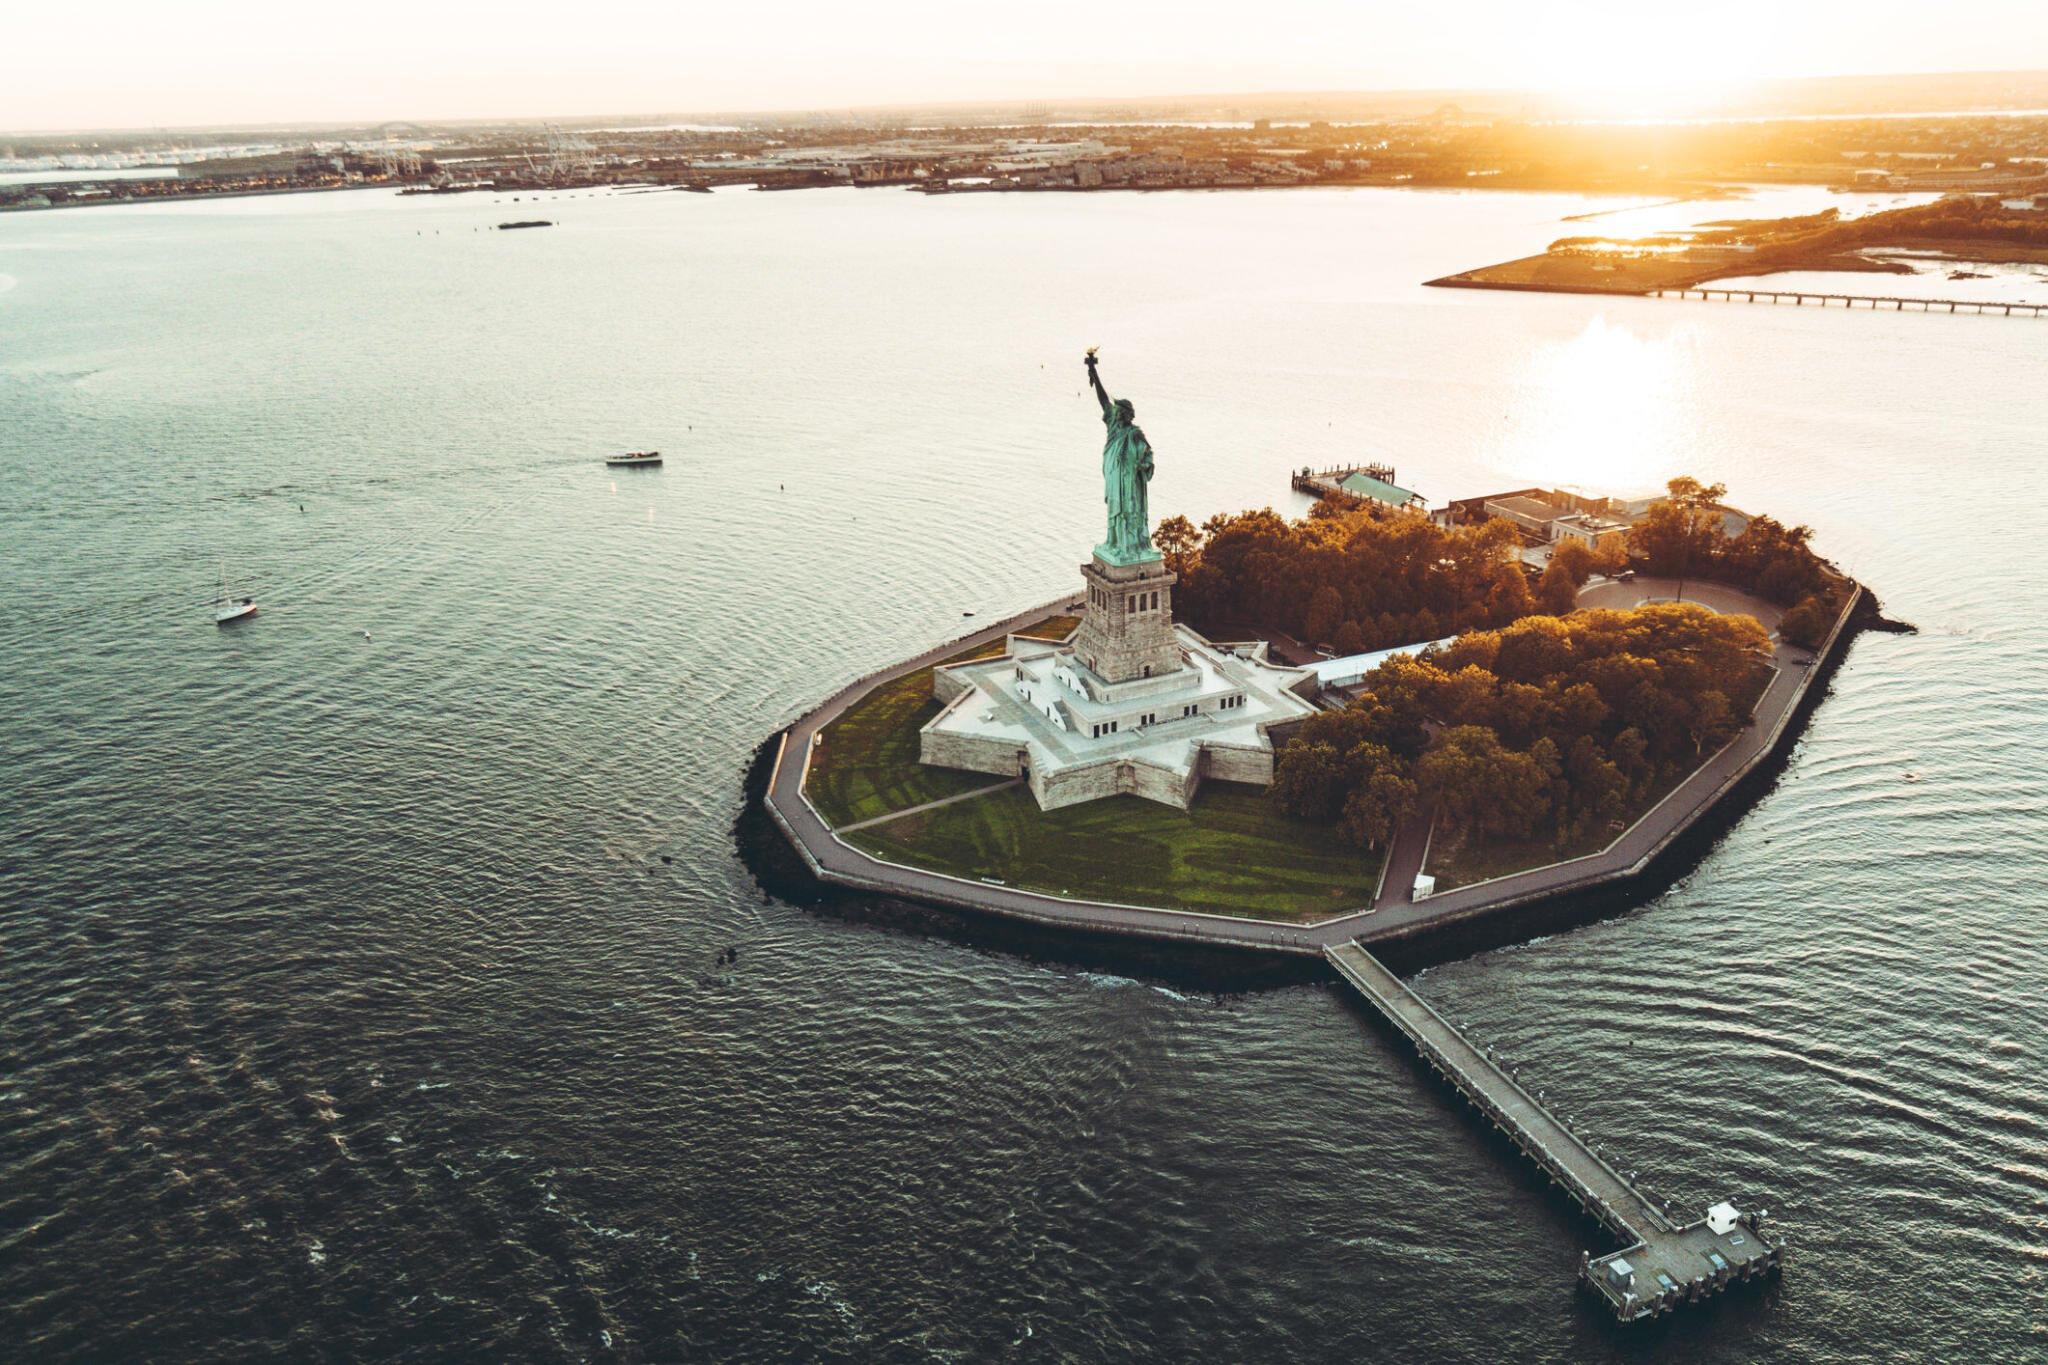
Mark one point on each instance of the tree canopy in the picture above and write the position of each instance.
(1354, 578)
(1683, 538)
(1548, 724)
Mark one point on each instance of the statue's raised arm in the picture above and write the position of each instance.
(1101, 394)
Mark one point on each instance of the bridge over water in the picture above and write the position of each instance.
(1662, 1263)
(1897, 305)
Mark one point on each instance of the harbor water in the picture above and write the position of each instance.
(378, 977)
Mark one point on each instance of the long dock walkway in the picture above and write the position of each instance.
(1661, 1264)
(1800, 298)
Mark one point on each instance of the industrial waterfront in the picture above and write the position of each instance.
(374, 990)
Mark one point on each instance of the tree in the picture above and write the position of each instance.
(1178, 542)
(1401, 578)
(1464, 697)
(1373, 812)
(1611, 557)
(1556, 593)
(1509, 599)
(1534, 649)
(1479, 785)
(1693, 495)
(1577, 559)
(1808, 623)
(1663, 540)
(1309, 781)
(1630, 754)
(1349, 639)
(1599, 788)
(1775, 561)
(1681, 535)
(1325, 614)
(1576, 710)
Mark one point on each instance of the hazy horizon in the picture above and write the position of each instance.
(226, 63)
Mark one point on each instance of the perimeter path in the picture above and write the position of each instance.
(834, 861)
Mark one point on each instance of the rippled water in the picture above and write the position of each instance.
(360, 975)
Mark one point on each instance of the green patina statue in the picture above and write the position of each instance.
(1126, 470)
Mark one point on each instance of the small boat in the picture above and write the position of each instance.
(635, 457)
(227, 608)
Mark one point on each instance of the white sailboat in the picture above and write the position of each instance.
(226, 607)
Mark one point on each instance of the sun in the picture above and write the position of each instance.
(1647, 65)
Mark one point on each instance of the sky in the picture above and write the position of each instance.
(147, 63)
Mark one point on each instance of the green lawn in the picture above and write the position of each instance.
(866, 762)
(1235, 853)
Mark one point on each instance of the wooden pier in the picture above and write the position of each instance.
(1381, 486)
(1662, 1264)
(1801, 299)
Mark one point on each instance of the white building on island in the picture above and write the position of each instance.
(1130, 704)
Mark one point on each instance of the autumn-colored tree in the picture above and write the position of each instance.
(1556, 593)
(1309, 780)
(1373, 812)
(1479, 785)
(1177, 541)
(1325, 614)
(1399, 578)
(1596, 705)
(1808, 623)
(1774, 561)
(1681, 535)
(1599, 789)
(1577, 559)
(1368, 784)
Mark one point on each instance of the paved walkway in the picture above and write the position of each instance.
(837, 862)
(1404, 861)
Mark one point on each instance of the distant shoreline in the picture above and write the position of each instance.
(1520, 185)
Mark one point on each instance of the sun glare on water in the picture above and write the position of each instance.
(1602, 411)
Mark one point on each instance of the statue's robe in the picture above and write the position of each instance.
(1126, 470)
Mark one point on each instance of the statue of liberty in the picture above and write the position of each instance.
(1126, 470)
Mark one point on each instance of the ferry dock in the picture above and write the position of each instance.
(1373, 482)
(1662, 1263)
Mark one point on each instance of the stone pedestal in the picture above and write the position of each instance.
(1127, 629)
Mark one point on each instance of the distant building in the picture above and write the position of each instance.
(1529, 513)
(1594, 532)
(1548, 516)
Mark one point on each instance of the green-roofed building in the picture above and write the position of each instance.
(1362, 485)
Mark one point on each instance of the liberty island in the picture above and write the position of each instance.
(1120, 700)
